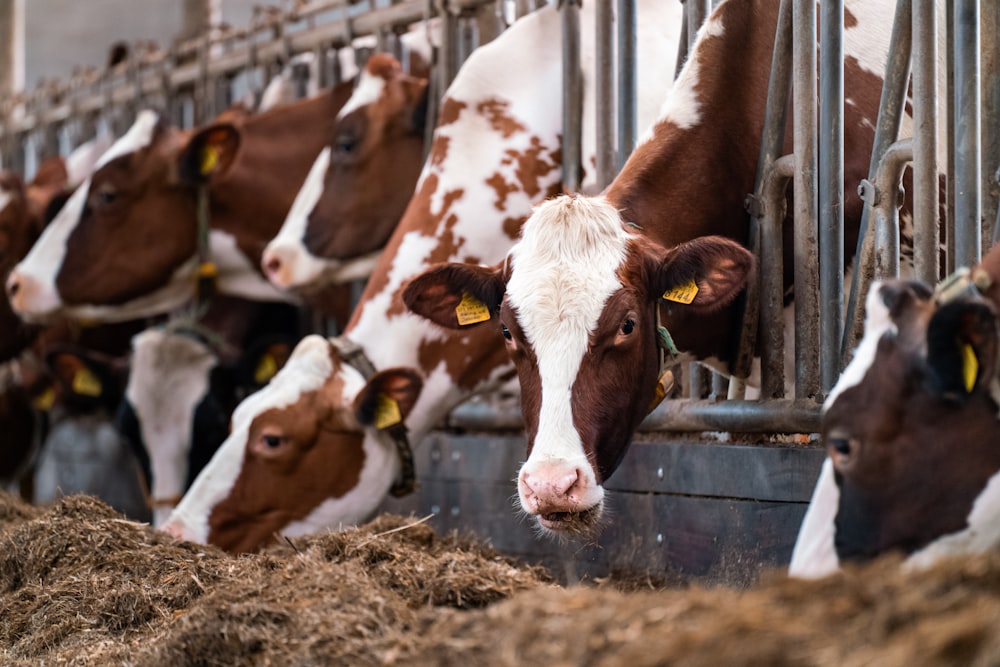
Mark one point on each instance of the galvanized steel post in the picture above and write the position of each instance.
(627, 80)
(831, 190)
(967, 223)
(804, 181)
(604, 92)
(989, 73)
(572, 151)
(926, 231)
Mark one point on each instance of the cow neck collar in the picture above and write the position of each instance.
(668, 355)
(354, 355)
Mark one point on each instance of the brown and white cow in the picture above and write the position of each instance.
(912, 430)
(495, 153)
(580, 299)
(125, 244)
(360, 184)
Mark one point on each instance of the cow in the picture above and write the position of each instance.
(186, 377)
(582, 299)
(911, 430)
(126, 244)
(360, 184)
(307, 451)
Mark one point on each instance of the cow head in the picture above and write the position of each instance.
(305, 452)
(911, 427)
(360, 184)
(129, 231)
(578, 302)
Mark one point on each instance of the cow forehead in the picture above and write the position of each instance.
(878, 322)
(367, 91)
(564, 269)
(138, 136)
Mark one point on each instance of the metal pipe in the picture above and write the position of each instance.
(831, 190)
(627, 80)
(925, 159)
(786, 416)
(884, 198)
(771, 143)
(604, 92)
(804, 182)
(890, 116)
(572, 149)
(967, 223)
(989, 35)
(448, 51)
(773, 209)
(695, 12)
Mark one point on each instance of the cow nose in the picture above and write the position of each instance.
(550, 482)
(173, 529)
(272, 264)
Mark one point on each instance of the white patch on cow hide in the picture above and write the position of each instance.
(367, 91)
(5, 198)
(682, 107)
(564, 269)
(80, 164)
(877, 324)
(982, 533)
(138, 136)
(814, 554)
(308, 368)
(298, 265)
(237, 274)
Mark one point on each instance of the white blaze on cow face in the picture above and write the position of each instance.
(31, 287)
(367, 91)
(814, 554)
(564, 270)
(286, 261)
(169, 377)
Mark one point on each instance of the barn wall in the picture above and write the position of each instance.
(677, 509)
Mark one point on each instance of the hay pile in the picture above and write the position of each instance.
(79, 586)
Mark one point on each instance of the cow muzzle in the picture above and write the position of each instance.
(31, 298)
(563, 495)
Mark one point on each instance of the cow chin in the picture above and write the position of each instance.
(579, 524)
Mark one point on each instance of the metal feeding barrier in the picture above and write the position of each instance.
(196, 79)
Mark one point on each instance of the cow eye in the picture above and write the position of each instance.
(628, 326)
(344, 145)
(841, 445)
(506, 332)
(106, 196)
(843, 449)
(272, 441)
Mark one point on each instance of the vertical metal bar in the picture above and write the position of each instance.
(804, 180)
(572, 151)
(887, 200)
(682, 47)
(604, 92)
(627, 80)
(771, 144)
(890, 116)
(831, 190)
(695, 12)
(989, 77)
(925, 159)
(968, 228)
(948, 205)
(448, 52)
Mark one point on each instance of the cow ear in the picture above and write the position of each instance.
(388, 397)
(704, 274)
(962, 348)
(456, 295)
(75, 376)
(210, 152)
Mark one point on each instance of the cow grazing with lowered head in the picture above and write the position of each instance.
(125, 245)
(359, 186)
(307, 451)
(581, 299)
(912, 430)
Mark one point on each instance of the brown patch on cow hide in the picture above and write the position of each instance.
(496, 113)
(470, 357)
(451, 109)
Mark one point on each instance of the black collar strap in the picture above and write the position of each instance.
(354, 355)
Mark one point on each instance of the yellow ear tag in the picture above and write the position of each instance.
(387, 412)
(970, 367)
(45, 400)
(663, 386)
(682, 293)
(86, 383)
(266, 369)
(471, 310)
(209, 159)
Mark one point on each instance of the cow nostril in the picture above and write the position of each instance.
(13, 286)
(272, 265)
